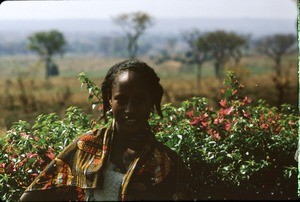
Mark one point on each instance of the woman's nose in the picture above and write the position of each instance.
(129, 107)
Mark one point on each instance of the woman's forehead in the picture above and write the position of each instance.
(123, 76)
(131, 79)
(130, 76)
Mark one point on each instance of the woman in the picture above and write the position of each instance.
(123, 161)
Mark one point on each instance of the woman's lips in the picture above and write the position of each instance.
(130, 121)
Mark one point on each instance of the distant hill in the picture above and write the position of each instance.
(254, 27)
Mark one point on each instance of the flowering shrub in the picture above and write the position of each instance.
(238, 151)
(26, 150)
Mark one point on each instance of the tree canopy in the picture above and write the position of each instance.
(134, 25)
(276, 46)
(47, 44)
(224, 46)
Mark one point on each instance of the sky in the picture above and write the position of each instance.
(106, 9)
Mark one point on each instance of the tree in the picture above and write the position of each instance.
(199, 51)
(224, 46)
(134, 25)
(47, 44)
(275, 47)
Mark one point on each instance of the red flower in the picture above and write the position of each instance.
(31, 155)
(227, 126)
(226, 111)
(264, 126)
(200, 120)
(195, 121)
(2, 165)
(218, 120)
(190, 114)
(204, 124)
(223, 103)
(215, 135)
(246, 114)
(246, 100)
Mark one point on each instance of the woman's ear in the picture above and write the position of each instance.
(108, 96)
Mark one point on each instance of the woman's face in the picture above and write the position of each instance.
(131, 102)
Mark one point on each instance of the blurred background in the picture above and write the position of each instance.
(190, 43)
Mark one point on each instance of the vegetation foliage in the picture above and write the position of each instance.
(47, 44)
(236, 151)
(134, 25)
(235, 148)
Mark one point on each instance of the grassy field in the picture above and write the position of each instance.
(25, 93)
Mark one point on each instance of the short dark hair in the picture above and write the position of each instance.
(135, 66)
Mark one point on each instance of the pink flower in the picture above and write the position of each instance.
(2, 165)
(223, 103)
(246, 114)
(247, 100)
(264, 126)
(31, 155)
(204, 124)
(226, 111)
(190, 114)
(216, 135)
(218, 120)
(200, 120)
(227, 126)
(195, 121)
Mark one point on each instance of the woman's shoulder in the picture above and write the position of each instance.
(173, 155)
(93, 135)
(90, 141)
(86, 142)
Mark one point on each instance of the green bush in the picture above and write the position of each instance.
(26, 150)
(238, 151)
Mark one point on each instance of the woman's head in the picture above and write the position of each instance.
(132, 90)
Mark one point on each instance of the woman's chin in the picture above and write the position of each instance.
(128, 128)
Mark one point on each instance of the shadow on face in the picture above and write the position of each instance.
(131, 102)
